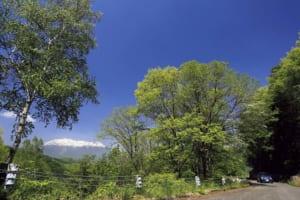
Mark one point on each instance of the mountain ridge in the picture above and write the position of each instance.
(76, 149)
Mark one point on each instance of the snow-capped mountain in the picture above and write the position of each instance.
(74, 143)
(76, 149)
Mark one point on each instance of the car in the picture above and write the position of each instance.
(263, 177)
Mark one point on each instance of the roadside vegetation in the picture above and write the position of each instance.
(42, 177)
(38, 185)
(295, 180)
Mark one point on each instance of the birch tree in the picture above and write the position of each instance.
(44, 73)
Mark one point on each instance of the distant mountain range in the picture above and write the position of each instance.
(76, 149)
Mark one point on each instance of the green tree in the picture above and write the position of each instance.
(125, 126)
(195, 109)
(114, 164)
(158, 98)
(284, 88)
(217, 94)
(43, 62)
(256, 132)
(230, 162)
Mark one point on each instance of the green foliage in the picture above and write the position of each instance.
(125, 126)
(89, 178)
(284, 88)
(165, 185)
(293, 184)
(42, 190)
(195, 110)
(36, 179)
(234, 184)
(217, 94)
(43, 62)
(255, 131)
(215, 184)
(230, 162)
(111, 191)
(4, 150)
(52, 69)
(30, 156)
(157, 93)
(116, 163)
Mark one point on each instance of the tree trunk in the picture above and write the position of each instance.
(204, 168)
(19, 132)
(205, 164)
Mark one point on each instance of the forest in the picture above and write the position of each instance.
(196, 119)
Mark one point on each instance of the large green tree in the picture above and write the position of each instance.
(193, 108)
(217, 94)
(44, 72)
(284, 88)
(158, 98)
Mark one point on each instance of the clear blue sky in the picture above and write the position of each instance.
(135, 35)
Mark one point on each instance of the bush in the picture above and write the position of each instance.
(112, 191)
(295, 181)
(41, 190)
(165, 185)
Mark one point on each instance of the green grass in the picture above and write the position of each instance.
(294, 183)
(207, 188)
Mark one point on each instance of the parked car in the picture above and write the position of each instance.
(263, 177)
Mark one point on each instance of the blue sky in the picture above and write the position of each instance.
(136, 35)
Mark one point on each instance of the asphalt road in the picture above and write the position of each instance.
(275, 191)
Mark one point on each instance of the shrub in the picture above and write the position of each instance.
(295, 181)
(111, 190)
(165, 185)
(41, 190)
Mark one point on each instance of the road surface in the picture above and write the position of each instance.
(275, 191)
